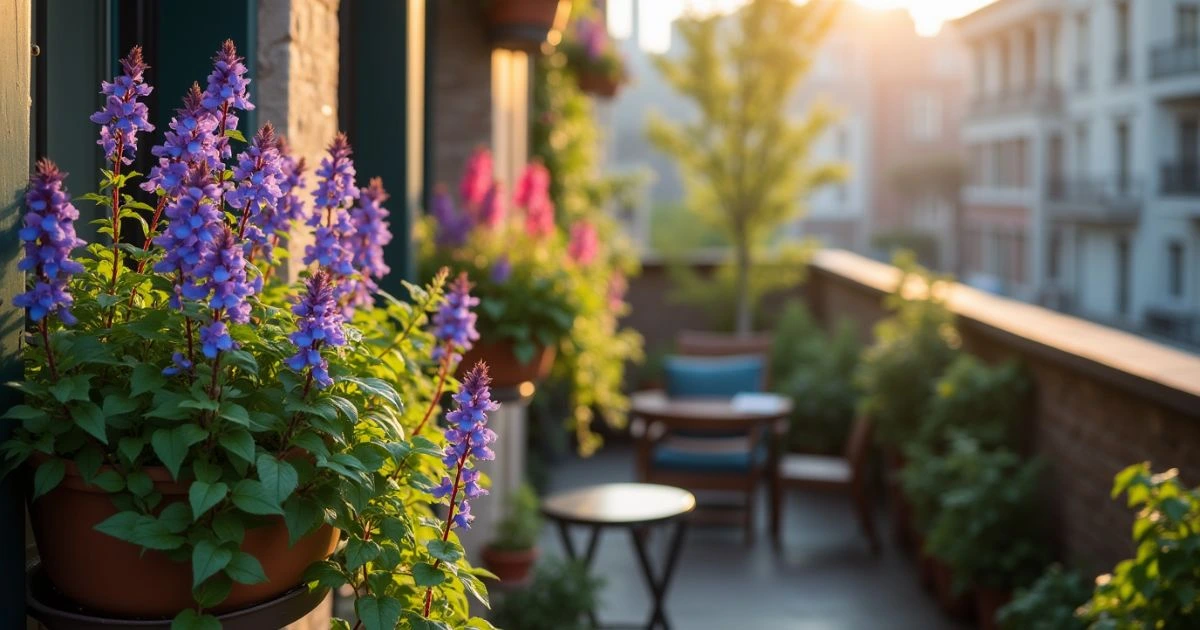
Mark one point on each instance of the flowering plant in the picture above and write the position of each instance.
(590, 52)
(182, 349)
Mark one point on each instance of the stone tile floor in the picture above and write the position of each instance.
(824, 578)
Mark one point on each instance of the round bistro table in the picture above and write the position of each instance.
(635, 507)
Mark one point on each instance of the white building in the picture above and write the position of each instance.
(1085, 151)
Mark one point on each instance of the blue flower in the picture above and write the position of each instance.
(335, 182)
(220, 276)
(192, 140)
(291, 206)
(257, 193)
(48, 232)
(318, 324)
(123, 115)
(226, 92)
(179, 365)
(454, 322)
(468, 439)
(453, 226)
(370, 233)
(194, 221)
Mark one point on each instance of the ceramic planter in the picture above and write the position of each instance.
(987, 602)
(503, 366)
(107, 575)
(525, 24)
(599, 85)
(956, 605)
(511, 566)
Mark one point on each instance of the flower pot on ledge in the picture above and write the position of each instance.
(988, 601)
(512, 566)
(105, 574)
(525, 24)
(503, 366)
(599, 85)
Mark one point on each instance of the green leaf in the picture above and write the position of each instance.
(245, 569)
(277, 476)
(48, 475)
(475, 587)
(416, 621)
(235, 413)
(445, 550)
(171, 445)
(378, 613)
(325, 573)
(23, 412)
(146, 378)
(236, 135)
(250, 496)
(239, 443)
(139, 483)
(229, 528)
(302, 516)
(109, 481)
(120, 525)
(90, 418)
(213, 591)
(175, 517)
(117, 404)
(523, 351)
(191, 620)
(207, 559)
(425, 575)
(70, 388)
(360, 552)
(425, 446)
(131, 447)
(203, 496)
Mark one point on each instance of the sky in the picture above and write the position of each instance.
(658, 14)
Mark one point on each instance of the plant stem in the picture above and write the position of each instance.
(443, 372)
(462, 461)
(49, 353)
(116, 224)
(162, 202)
(424, 308)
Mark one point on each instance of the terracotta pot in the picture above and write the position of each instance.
(956, 605)
(987, 602)
(111, 576)
(505, 369)
(599, 85)
(525, 24)
(511, 566)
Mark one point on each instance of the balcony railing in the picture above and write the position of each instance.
(1039, 99)
(1112, 200)
(1181, 178)
(1175, 58)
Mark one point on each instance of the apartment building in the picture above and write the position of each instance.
(1084, 141)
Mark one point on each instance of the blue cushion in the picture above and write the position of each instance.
(721, 377)
(666, 456)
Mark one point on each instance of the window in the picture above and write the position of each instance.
(1082, 158)
(925, 116)
(1121, 70)
(1123, 150)
(1175, 269)
(1054, 261)
(1187, 24)
(1123, 276)
(1083, 34)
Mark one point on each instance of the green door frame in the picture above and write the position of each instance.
(16, 44)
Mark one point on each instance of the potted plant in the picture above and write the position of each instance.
(1050, 603)
(560, 597)
(593, 58)
(1157, 587)
(203, 436)
(989, 402)
(514, 550)
(986, 528)
(525, 24)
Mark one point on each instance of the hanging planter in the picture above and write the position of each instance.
(592, 57)
(526, 24)
(599, 85)
(509, 369)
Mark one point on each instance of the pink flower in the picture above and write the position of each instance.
(539, 218)
(492, 210)
(585, 243)
(617, 286)
(476, 179)
(533, 187)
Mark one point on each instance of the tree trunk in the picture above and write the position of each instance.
(745, 310)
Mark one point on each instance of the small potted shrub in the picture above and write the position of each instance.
(1050, 603)
(987, 401)
(560, 597)
(1157, 587)
(590, 53)
(524, 24)
(514, 550)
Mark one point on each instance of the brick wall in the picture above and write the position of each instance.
(462, 96)
(1103, 399)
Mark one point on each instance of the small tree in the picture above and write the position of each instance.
(745, 160)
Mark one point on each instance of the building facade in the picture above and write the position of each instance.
(1084, 144)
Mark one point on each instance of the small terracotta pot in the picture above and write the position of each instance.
(111, 576)
(503, 366)
(987, 602)
(511, 566)
(525, 24)
(600, 85)
(956, 605)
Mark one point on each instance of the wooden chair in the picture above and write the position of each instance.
(848, 474)
(709, 454)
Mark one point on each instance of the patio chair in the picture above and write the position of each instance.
(710, 454)
(847, 474)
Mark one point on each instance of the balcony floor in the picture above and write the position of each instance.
(823, 579)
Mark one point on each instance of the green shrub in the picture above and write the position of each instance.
(986, 525)
(984, 401)
(559, 598)
(1047, 604)
(523, 524)
(817, 371)
(912, 349)
(1160, 587)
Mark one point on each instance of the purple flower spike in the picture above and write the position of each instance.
(454, 323)
(226, 93)
(194, 221)
(453, 227)
(319, 325)
(291, 206)
(221, 277)
(370, 233)
(123, 115)
(501, 270)
(468, 439)
(257, 194)
(335, 182)
(192, 140)
(49, 236)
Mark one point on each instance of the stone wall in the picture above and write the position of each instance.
(1103, 398)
